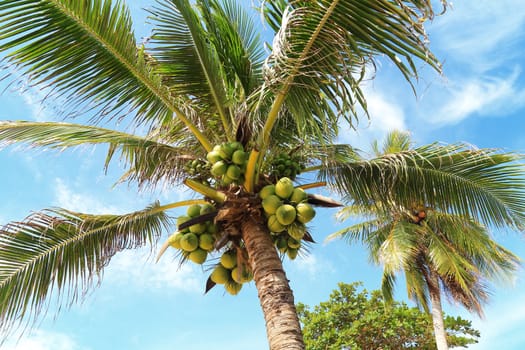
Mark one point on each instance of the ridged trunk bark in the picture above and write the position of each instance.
(282, 323)
(437, 313)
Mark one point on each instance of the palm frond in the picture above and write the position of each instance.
(186, 58)
(150, 160)
(486, 184)
(323, 47)
(237, 43)
(86, 55)
(62, 252)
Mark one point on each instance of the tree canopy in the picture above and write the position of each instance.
(354, 318)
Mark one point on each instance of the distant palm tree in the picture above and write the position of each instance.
(201, 80)
(438, 252)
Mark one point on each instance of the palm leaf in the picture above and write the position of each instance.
(149, 158)
(485, 184)
(186, 59)
(322, 49)
(237, 43)
(64, 252)
(85, 53)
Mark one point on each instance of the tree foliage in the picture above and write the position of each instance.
(354, 318)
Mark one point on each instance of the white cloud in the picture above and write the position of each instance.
(80, 201)
(503, 325)
(43, 340)
(385, 116)
(481, 33)
(138, 270)
(479, 96)
(311, 265)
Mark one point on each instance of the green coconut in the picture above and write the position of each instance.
(239, 157)
(271, 203)
(233, 287)
(305, 212)
(286, 214)
(229, 259)
(206, 241)
(267, 191)
(174, 240)
(193, 210)
(220, 274)
(198, 256)
(284, 188)
(274, 225)
(189, 242)
(298, 195)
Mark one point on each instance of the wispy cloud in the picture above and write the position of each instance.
(44, 340)
(137, 269)
(502, 327)
(311, 265)
(82, 201)
(480, 33)
(385, 116)
(479, 96)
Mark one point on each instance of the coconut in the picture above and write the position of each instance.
(271, 204)
(206, 241)
(189, 242)
(298, 195)
(207, 208)
(305, 212)
(174, 240)
(284, 188)
(220, 274)
(286, 214)
(274, 225)
(233, 172)
(292, 253)
(241, 276)
(239, 157)
(267, 191)
(219, 168)
(213, 157)
(281, 243)
(226, 151)
(229, 259)
(198, 228)
(293, 243)
(233, 287)
(193, 210)
(296, 230)
(198, 256)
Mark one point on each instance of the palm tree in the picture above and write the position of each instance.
(439, 252)
(201, 80)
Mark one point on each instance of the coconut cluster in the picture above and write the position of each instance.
(195, 241)
(285, 165)
(231, 273)
(287, 211)
(198, 169)
(228, 162)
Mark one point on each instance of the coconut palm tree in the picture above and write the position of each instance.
(439, 252)
(199, 89)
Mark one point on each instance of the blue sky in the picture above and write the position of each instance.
(480, 99)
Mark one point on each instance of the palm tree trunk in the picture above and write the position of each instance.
(437, 312)
(282, 323)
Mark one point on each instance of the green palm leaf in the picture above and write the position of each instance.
(186, 59)
(486, 184)
(237, 44)
(151, 159)
(64, 251)
(86, 54)
(323, 47)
